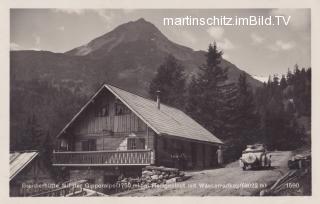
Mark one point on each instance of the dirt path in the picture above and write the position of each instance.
(231, 180)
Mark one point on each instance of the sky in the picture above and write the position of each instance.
(258, 50)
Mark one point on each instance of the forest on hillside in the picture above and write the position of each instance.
(38, 111)
(277, 114)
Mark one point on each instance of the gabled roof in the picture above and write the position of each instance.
(19, 160)
(164, 121)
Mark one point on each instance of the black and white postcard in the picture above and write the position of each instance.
(169, 102)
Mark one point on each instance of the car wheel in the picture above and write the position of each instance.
(244, 167)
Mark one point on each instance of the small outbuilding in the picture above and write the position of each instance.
(28, 173)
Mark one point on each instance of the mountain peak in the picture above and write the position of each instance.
(140, 20)
(133, 31)
(139, 26)
(127, 56)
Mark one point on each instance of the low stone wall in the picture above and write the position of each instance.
(152, 175)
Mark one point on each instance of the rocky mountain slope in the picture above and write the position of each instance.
(128, 56)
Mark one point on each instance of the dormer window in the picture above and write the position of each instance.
(121, 109)
(103, 111)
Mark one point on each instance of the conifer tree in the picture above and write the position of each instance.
(211, 99)
(283, 82)
(33, 135)
(289, 77)
(170, 80)
(248, 120)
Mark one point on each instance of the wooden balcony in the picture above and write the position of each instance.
(103, 158)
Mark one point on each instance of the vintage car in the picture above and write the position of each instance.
(255, 156)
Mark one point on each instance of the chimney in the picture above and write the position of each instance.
(158, 99)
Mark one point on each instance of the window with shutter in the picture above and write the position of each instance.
(136, 143)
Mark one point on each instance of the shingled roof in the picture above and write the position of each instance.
(164, 121)
(19, 160)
